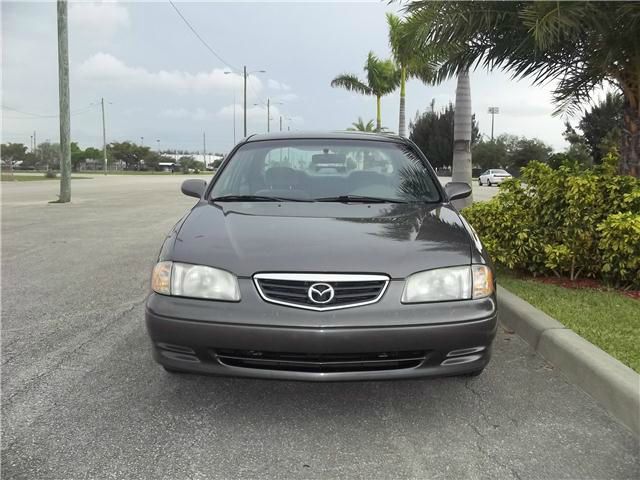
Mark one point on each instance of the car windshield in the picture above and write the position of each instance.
(326, 170)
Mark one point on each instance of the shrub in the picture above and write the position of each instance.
(551, 221)
(619, 247)
(50, 174)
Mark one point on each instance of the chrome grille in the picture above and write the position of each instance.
(292, 289)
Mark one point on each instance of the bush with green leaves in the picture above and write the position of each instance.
(565, 221)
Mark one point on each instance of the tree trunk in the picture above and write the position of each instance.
(402, 129)
(378, 116)
(630, 153)
(461, 171)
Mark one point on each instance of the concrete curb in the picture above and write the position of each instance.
(614, 385)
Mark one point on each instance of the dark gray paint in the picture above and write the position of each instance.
(398, 240)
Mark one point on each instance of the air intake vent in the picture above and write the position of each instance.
(321, 363)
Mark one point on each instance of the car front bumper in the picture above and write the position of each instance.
(386, 340)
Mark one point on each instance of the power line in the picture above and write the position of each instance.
(202, 39)
(38, 115)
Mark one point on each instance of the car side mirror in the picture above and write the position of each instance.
(457, 190)
(194, 187)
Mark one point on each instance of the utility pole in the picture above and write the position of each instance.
(268, 115)
(280, 122)
(35, 146)
(65, 116)
(493, 111)
(245, 100)
(104, 137)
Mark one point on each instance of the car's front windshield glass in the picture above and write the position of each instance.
(324, 169)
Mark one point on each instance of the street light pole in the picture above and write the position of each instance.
(268, 115)
(245, 100)
(244, 77)
(493, 111)
(104, 137)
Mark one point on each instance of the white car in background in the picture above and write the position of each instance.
(493, 177)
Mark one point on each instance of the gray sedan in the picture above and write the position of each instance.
(283, 270)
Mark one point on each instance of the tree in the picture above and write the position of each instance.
(413, 62)
(462, 136)
(382, 78)
(580, 44)
(492, 154)
(433, 132)
(128, 152)
(360, 126)
(578, 151)
(521, 151)
(77, 156)
(49, 154)
(12, 153)
(602, 126)
(188, 162)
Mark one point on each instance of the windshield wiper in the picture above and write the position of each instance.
(256, 198)
(358, 199)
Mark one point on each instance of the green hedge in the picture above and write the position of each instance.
(565, 221)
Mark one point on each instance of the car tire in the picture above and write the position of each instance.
(479, 182)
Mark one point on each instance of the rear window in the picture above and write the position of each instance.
(313, 169)
(501, 172)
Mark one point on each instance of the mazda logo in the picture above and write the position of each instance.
(321, 293)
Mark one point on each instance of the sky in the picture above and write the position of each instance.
(162, 87)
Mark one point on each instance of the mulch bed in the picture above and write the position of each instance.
(586, 283)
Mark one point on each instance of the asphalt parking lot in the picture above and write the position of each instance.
(82, 398)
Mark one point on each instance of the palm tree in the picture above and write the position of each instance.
(462, 126)
(580, 44)
(412, 61)
(382, 78)
(360, 126)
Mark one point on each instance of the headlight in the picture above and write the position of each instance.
(197, 281)
(444, 284)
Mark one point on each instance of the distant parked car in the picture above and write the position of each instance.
(493, 177)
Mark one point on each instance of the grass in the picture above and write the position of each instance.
(606, 318)
(7, 177)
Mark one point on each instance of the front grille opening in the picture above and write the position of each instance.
(320, 363)
(296, 292)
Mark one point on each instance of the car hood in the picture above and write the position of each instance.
(397, 240)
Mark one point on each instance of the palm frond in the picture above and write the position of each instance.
(352, 83)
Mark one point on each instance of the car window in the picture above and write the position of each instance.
(312, 169)
(502, 172)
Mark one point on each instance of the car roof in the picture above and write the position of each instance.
(333, 135)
